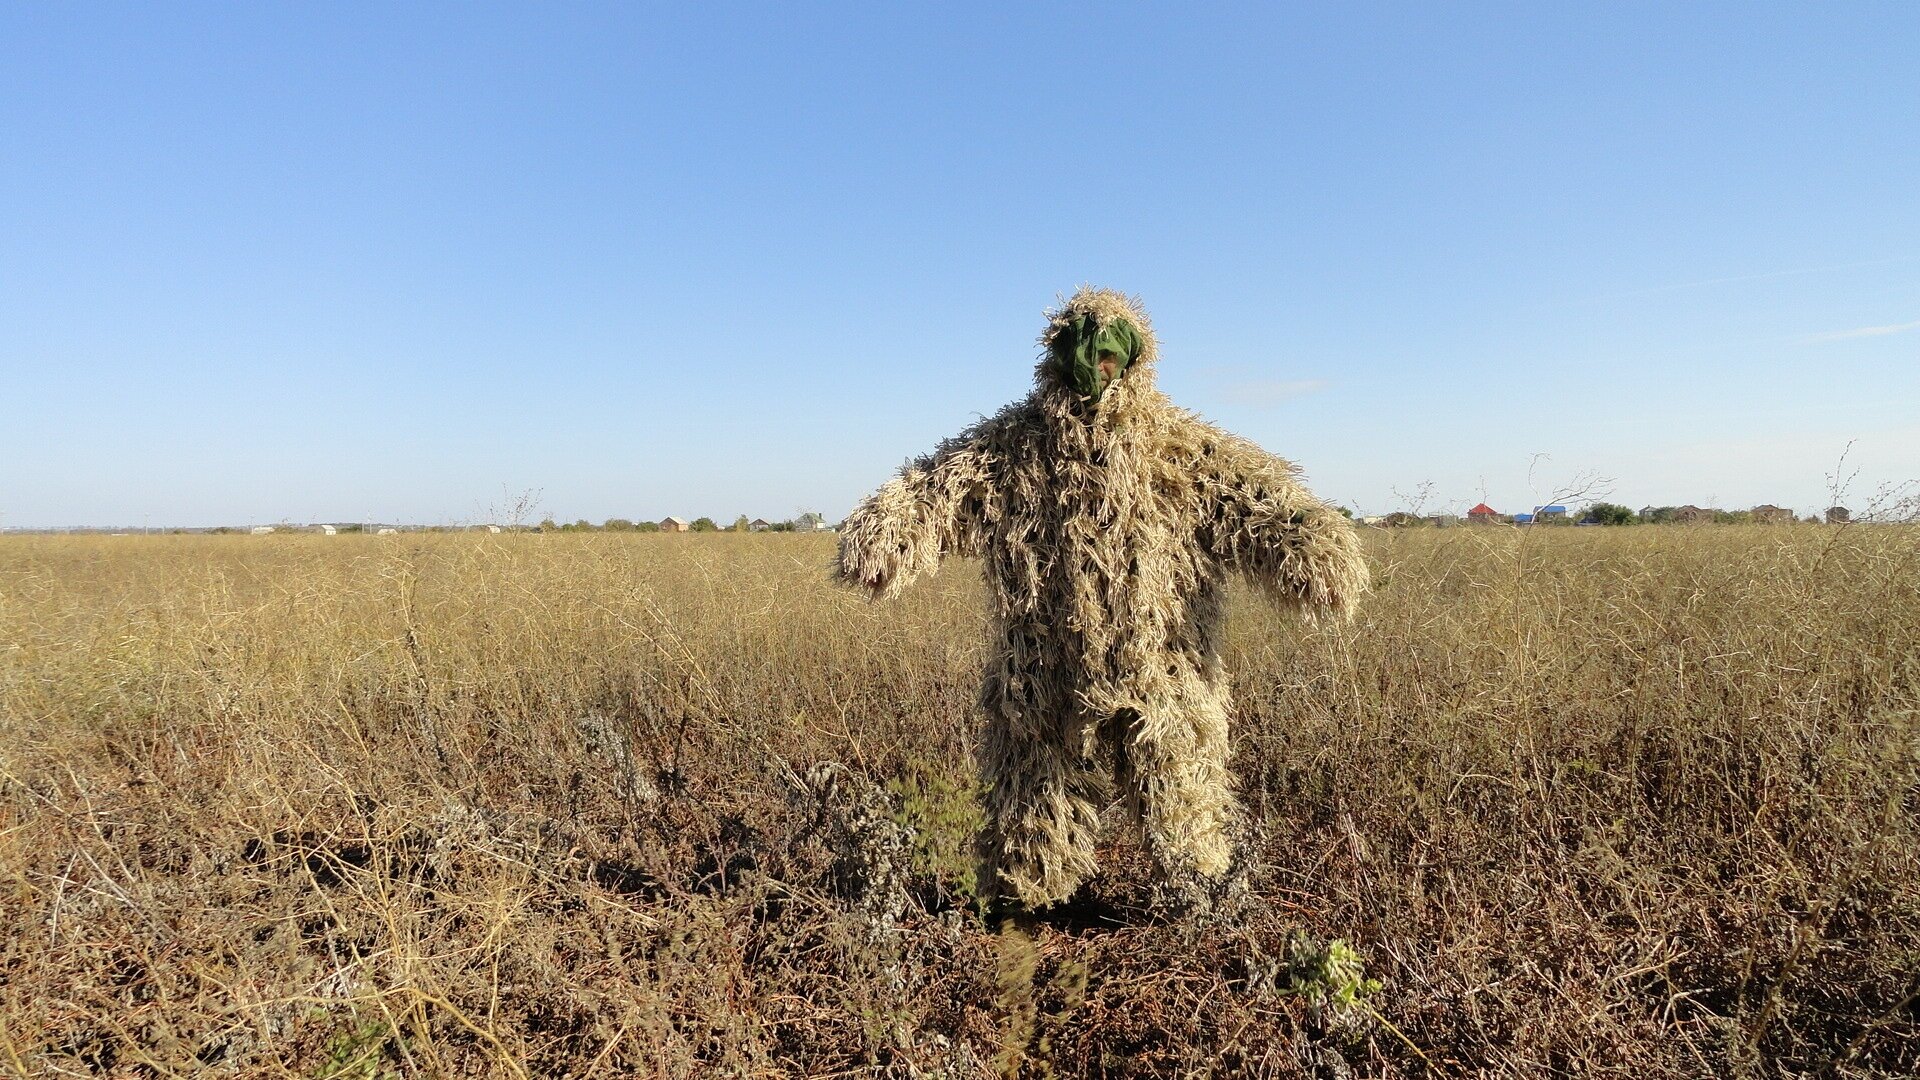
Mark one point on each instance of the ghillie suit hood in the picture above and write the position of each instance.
(1080, 332)
(1108, 520)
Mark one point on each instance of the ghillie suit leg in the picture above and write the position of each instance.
(1170, 764)
(1043, 799)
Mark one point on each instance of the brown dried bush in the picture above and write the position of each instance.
(1586, 801)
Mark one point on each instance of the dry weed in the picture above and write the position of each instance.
(1636, 800)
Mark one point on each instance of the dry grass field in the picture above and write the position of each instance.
(1639, 801)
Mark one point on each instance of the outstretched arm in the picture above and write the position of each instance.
(1259, 520)
(932, 508)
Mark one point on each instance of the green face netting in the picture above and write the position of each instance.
(1077, 350)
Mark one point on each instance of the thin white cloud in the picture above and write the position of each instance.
(1270, 393)
(1863, 332)
(1770, 275)
(1773, 275)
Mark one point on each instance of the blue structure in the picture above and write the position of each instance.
(1523, 519)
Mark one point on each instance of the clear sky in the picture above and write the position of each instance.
(406, 262)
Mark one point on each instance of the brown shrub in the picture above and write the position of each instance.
(1585, 800)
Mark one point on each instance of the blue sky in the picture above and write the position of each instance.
(264, 262)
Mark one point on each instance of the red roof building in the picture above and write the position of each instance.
(1483, 512)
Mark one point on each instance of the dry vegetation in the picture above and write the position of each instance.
(1628, 801)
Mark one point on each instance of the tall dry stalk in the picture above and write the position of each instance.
(1584, 800)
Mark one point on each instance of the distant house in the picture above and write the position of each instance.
(326, 530)
(759, 525)
(261, 530)
(1838, 515)
(1769, 514)
(1691, 515)
(673, 524)
(1483, 515)
(385, 530)
(1544, 514)
(1523, 519)
(1373, 519)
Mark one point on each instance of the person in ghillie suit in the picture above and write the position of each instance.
(1108, 519)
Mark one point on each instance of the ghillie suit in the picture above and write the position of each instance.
(1108, 519)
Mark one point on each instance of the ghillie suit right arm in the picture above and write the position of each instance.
(1259, 520)
(933, 508)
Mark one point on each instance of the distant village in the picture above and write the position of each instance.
(807, 522)
(1602, 513)
(1599, 513)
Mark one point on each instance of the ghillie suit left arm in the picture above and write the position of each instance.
(1259, 520)
(933, 508)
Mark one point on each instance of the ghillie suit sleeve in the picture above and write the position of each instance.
(1260, 522)
(1108, 521)
(933, 508)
